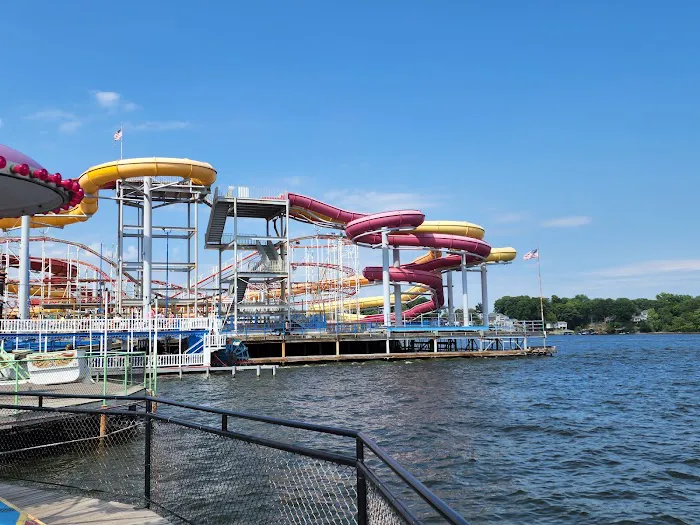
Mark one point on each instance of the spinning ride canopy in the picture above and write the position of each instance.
(26, 188)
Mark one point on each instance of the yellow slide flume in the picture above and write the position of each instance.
(461, 228)
(34, 290)
(98, 176)
(501, 255)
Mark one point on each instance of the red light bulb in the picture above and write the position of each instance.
(3, 162)
(41, 174)
(20, 169)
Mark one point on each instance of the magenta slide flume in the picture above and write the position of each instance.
(365, 229)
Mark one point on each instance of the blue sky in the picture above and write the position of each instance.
(574, 126)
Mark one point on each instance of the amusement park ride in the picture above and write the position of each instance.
(269, 272)
(266, 281)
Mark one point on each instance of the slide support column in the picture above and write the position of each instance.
(484, 296)
(450, 300)
(24, 269)
(218, 287)
(398, 307)
(147, 246)
(196, 258)
(120, 244)
(465, 295)
(385, 277)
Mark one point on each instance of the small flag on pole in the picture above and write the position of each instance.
(118, 134)
(532, 254)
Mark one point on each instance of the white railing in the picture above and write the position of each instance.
(214, 341)
(94, 325)
(118, 362)
(518, 326)
(247, 239)
(262, 265)
(246, 192)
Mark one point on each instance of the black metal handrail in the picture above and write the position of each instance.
(143, 406)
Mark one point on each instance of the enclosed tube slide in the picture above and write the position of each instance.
(105, 174)
(409, 229)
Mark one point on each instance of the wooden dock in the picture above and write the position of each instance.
(531, 351)
(58, 508)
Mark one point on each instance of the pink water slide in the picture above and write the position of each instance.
(365, 229)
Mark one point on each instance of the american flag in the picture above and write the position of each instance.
(118, 134)
(532, 254)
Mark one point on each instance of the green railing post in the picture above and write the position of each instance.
(16, 367)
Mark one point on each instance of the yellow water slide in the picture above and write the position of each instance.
(101, 175)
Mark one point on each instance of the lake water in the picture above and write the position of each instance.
(607, 431)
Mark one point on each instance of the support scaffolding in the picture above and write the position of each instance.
(141, 234)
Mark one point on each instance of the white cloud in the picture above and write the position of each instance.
(67, 122)
(509, 218)
(51, 115)
(164, 125)
(69, 126)
(374, 201)
(650, 268)
(567, 222)
(107, 99)
(113, 101)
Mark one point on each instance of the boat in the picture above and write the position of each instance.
(56, 368)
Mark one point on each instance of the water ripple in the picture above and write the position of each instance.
(605, 432)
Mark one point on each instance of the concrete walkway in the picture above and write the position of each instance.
(53, 507)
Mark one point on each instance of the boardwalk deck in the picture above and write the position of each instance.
(532, 351)
(58, 508)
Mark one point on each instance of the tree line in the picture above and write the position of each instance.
(666, 313)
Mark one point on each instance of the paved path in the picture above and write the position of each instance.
(53, 507)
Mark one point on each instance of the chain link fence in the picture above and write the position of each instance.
(195, 464)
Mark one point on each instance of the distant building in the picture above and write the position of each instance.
(561, 325)
(609, 319)
(501, 321)
(641, 317)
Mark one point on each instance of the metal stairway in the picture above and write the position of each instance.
(217, 220)
(268, 251)
(242, 287)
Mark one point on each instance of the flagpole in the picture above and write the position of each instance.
(121, 141)
(539, 275)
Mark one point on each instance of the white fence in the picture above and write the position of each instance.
(511, 325)
(118, 362)
(96, 325)
(246, 192)
(214, 341)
